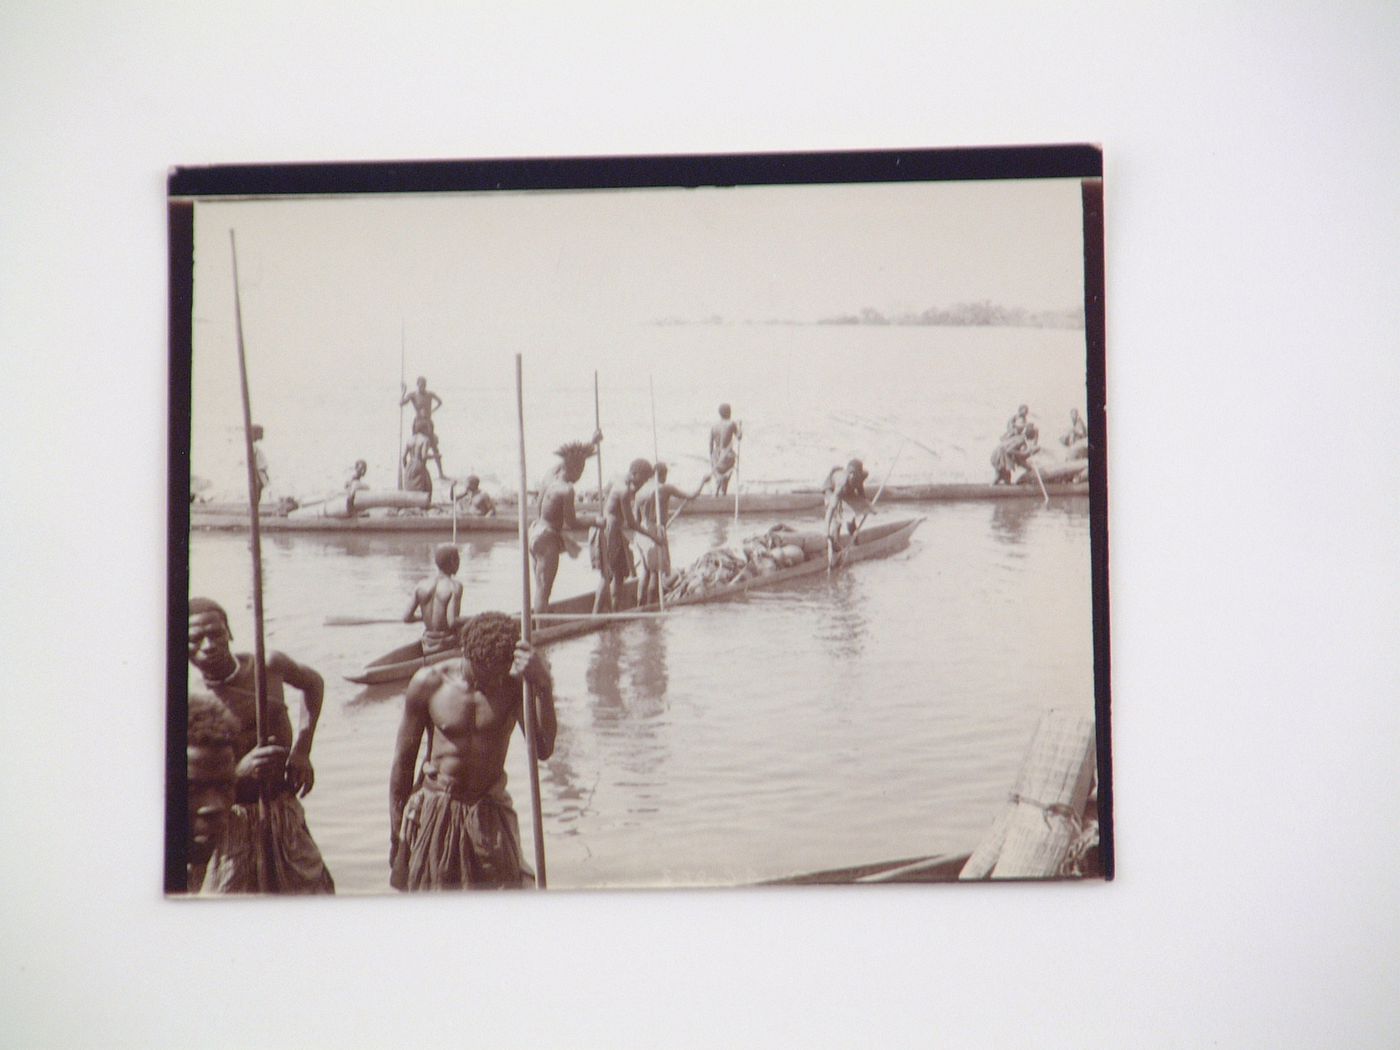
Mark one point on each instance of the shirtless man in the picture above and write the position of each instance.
(281, 762)
(209, 783)
(1076, 438)
(355, 482)
(456, 828)
(437, 601)
(425, 403)
(549, 532)
(724, 449)
(612, 537)
(415, 460)
(844, 487)
(1014, 453)
(653, 559)
(474, 501)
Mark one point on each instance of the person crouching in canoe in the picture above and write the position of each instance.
(549, 532)
(611, 541)
(1013, 453)
(844, 487)
(654, 559)
(437, 601)
(456, 828)
(282, 763)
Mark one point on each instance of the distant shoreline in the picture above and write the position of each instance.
(963, 315)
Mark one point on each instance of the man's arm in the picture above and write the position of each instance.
(411, 727)
(536, 672)
(412, 614)
(454, 607)
(300, 775)
(437, 402)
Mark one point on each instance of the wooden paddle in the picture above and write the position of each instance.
(527, 720)
(260, 723)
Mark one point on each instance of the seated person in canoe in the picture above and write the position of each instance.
(280, 766)
(548, 535)
(654, 559)
(209, 779)
(456, 828)
(425, 403)
(437, 601)
(724, 449)
(355, 482)
(415, 460)
(611, 539)
(1076, 438)
(844, 488)
(474, 501)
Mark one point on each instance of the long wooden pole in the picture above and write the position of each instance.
(264, 865)
(656, 493)
(598, 426)
(403, 389)
(528, 715)
(738, 447)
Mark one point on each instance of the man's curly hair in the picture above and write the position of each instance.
(488, 643)
(574, 452)
(210, 723)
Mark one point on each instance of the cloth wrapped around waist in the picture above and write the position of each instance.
(545, 540)
(448, 840)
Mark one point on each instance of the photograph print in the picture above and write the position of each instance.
(638, 523)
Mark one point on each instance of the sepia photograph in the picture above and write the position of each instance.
(638, 524)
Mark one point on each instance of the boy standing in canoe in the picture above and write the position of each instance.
(281, 762)
(724, 450)
(654, 558)
(437, 601)
(457, 828)
(548, 536)
(611, 541)
(425, 403)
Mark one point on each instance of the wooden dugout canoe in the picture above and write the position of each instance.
(438, 521)
(876, 541)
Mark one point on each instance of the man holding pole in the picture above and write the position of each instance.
(612, 536)
(456, 827)
(724, 449)
(549, 533)
(280, 764)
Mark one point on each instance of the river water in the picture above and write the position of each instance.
(876, 714)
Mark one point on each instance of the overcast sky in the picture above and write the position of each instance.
(327, 281)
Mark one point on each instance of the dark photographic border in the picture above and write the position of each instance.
(1081, 161)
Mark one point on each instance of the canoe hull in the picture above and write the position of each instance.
(874, 542)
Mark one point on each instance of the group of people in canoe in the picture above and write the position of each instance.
(1020, 444)
(453, 825)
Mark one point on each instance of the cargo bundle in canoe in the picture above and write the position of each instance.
(875, 541)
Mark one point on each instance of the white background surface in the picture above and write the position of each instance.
(1253, 304)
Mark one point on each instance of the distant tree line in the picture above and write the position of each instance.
(985, 312)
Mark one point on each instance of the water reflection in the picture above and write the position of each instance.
(630, 716)
(841, 620)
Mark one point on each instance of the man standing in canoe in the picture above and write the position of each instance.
(425, 403)
(654, 559)
(415, 460)
(437, 601)
(209, 782)
(1017, 423)
(281, 762)
(724, 449)
(456, 828)
(548, 536)
(474, 501)
(844, 487)
(260, 474)
(612, 537)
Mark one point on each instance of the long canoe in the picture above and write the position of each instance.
(877, 541)
(438, 520)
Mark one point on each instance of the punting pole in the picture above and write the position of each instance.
(1039, 481)
(598, 426)
(656, 492)
(738, 446)
(402, 390)
(255, 541)
(528, 714)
